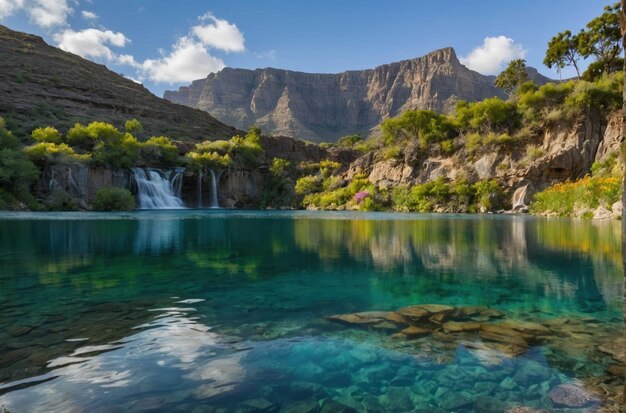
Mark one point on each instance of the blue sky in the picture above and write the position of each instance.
(167, 43)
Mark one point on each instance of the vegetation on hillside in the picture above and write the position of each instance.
(512, 130)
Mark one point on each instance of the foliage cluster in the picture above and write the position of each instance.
(113, 199)
(565, 199)
(101, 144)
(221, 154)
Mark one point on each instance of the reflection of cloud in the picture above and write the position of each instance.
(174, 341)
(224, 375)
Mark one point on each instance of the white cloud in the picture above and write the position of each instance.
(491, 57)
(89, 15)
(44, 13)
(190, 57)
(219, 34)
(8, 7)
(189, 60)
(91, 43)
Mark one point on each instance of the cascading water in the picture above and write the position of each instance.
(199, 189)
(215, 177)
(157, 189)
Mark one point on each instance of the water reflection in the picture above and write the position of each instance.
(181, 309)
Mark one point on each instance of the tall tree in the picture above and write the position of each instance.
(602, 38)
(513, 76)
(563, 51)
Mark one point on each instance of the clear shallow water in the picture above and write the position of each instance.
(183, 310)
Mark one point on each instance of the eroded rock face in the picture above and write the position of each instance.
(323, 107)
(81, 182)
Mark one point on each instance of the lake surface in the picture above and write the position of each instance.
(203, 311)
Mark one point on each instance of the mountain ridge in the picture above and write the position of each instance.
(42, 84)
(324, 106)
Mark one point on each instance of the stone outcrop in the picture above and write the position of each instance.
(324, 107)
(43, 85)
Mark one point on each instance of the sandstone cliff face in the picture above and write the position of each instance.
(43, 85)
(324, 107)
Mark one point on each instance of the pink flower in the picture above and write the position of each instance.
(360, 196)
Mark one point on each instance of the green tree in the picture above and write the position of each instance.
(602, 38)
(17, 172)
(563, 51)
(49, 134)
(133, 126)
(513, 76)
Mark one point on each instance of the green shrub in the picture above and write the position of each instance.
(424, 125)
(17, 171)
(349, 141)
(47, 134)
(207, 160)
(46, 153)
(489, 115)
(159, 150)
(587, 193)
(279, 188)
(605, 94)
(608, 167)
(121, 151)
(59, 200)
(113, 199)
(308, 184)
(133, 126)
(489, 194)
(220, 146)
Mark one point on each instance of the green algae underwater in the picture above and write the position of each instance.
(232, 311)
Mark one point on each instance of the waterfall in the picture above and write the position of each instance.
(215, 177)
(157, 189)
(199, 189)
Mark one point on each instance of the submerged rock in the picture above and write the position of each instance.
(570, 395)
(615, 349)
(459, 326)
(504, 334)
(414, 332)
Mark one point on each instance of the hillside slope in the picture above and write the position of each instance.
(41, 84)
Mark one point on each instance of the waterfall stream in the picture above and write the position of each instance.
(215, 178)
(157, 189)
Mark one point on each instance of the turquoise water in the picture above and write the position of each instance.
(206, 311)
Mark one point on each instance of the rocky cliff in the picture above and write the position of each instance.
(562, 151)
(43, 85)
(324, 107)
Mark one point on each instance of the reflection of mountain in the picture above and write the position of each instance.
(555, 256)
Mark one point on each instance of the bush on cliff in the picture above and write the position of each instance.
(574, 198)
(113, 199)
(17, 172)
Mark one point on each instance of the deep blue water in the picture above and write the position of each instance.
(206, 310)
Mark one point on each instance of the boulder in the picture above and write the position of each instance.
(571, 396)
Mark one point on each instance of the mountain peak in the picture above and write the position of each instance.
(324, 107)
